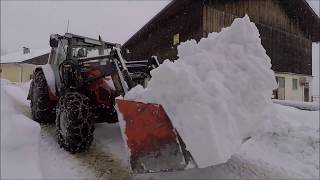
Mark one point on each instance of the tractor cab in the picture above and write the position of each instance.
(88, 53)
(75, 47)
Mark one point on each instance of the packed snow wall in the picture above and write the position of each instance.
(217, 94)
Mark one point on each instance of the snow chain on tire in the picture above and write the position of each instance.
(74, 122)
(41, 106)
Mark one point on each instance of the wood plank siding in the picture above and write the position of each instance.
(286, 44)
(287, 29)
(157, 39)
(267, 12)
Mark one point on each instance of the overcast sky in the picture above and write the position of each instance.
(29, 23)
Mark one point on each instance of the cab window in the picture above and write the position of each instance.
(61, 52)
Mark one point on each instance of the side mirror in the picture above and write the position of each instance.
(54, 40)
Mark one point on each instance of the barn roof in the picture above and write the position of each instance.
(310, 22)
(19, 57)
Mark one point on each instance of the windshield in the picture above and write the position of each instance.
(82, 52)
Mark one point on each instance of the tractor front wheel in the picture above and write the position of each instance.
(74, 122)
(41, 106)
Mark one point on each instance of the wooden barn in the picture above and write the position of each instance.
(287, 28)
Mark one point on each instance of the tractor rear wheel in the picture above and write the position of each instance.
(42, 108)
(74, 122)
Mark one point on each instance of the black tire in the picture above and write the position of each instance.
(74, 122)
(108, 115)
(42, 109)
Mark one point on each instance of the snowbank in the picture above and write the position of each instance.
(18, 91)
(4, 81)
(290, 143)
(310, 106)
(19, 142)
(217, 93)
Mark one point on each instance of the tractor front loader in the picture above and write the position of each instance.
(78, 88)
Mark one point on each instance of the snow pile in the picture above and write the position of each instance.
(290, 143)
(4, 81)
(217, 94)
(17, 91)
(19, 142)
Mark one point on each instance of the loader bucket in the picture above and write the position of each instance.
(153, 143)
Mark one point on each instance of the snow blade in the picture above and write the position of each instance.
(153, 143)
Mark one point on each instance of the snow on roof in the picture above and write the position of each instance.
(20, 57)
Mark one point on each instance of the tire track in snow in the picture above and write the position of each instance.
(93, 163)
(101, 163)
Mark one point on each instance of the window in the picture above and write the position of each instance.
(294, 84)
(281, 82)
(60, 53)
(176, 39)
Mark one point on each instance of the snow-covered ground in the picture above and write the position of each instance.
(30, 151)
(19, 142)
(311, 106)
(287, 148)
(290, 142)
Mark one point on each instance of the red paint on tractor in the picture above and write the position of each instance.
(103, 92)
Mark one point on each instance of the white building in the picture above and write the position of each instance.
(19, 66)
(295, 87)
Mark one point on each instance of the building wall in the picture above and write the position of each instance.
(157, 39)
(17, 72)
(267, 12)
(286, 44)
(10, 72)
(288, 47)
(27, 71)
(295, 94)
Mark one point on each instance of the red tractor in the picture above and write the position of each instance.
(78, 88)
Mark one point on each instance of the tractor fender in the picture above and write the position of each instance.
(50, 79)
